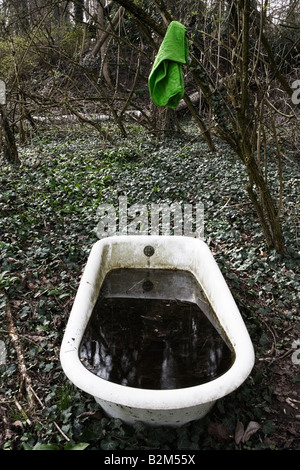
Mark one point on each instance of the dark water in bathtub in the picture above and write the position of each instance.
(153, 343)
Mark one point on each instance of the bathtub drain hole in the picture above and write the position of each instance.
(148, 250)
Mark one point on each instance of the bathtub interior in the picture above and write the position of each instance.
(182, 254)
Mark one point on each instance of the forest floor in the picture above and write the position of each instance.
(48, 210)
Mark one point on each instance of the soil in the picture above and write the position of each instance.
(285, 406)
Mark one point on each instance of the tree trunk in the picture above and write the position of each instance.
(164, 120)
(78, 11)
(9, 147)
(105, 62)
(263, 202)
(246, 128)
(103, 36)
(103, 41)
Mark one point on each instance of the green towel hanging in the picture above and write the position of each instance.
(165, 82)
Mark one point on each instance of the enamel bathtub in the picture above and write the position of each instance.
(172, 407)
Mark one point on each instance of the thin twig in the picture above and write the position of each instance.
(55, 424)
(61, 432)
(20, 409)
(25, 379)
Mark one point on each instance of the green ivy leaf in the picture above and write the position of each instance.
(46, 447)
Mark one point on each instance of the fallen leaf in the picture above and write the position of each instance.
(239, 432)
(18, 424)
(251, 429)
(219, 432)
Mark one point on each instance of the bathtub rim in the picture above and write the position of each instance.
(231, 322)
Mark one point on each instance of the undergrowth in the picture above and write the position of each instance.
(48, 211)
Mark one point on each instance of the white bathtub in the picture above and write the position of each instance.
(157, 407)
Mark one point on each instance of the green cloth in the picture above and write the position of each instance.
(165, 81)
